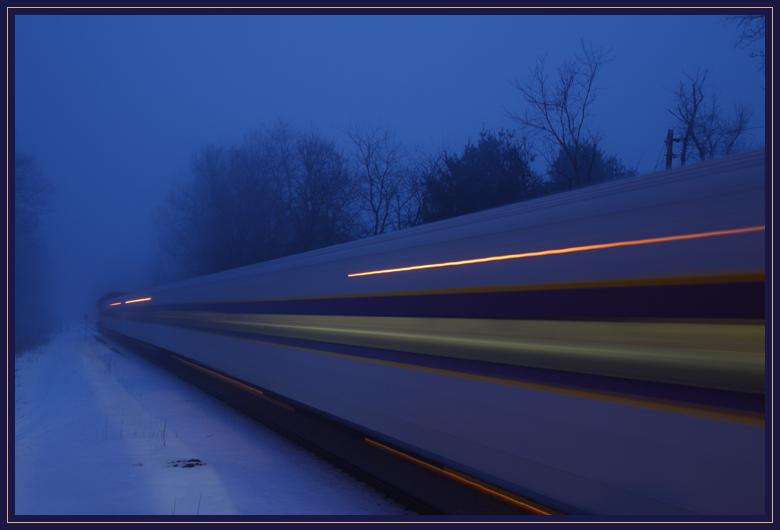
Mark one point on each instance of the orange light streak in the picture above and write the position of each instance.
(511, 499)
(148, 298)
(235, 382)
(112, 304)
(567, 250)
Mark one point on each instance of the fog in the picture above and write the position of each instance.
(113, 108)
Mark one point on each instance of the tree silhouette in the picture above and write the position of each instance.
(493, 172)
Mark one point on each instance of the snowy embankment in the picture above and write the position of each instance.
(105, 432)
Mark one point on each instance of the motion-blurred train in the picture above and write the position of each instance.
(599, 351)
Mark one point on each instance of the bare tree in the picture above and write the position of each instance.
(559, 108)
(236, 209)
(689, 100)
(703, 129)
(407, 205)
(752, 30)
(322, 201)
(193, 231)
(379, 174)
(716, 134)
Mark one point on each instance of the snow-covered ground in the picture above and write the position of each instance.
(101, 432)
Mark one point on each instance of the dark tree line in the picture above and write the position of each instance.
(276, 193)
(281, 192)
(494, 171)
(33, 320)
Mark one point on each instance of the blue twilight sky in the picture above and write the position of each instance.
(112, 107)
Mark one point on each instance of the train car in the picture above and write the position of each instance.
(599, 351)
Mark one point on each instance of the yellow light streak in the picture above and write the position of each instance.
(112, 304)
(715, 354)
(567, 250)
(135, 301)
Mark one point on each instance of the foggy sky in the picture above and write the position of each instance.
(113, 107)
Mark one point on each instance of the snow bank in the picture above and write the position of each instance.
(103, 432)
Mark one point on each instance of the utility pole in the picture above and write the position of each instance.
(670, 139)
